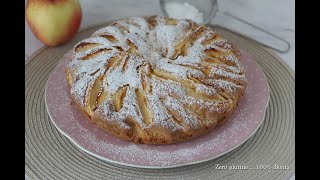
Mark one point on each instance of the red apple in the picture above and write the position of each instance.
(53, 22)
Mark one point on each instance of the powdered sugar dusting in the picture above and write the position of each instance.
(207, 90)
(125, 52)
(223, 73)
(188, 119)
(119, 78)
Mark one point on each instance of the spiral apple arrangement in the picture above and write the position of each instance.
(53, 22)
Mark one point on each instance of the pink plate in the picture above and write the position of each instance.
(244, 122)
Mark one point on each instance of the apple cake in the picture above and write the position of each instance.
(156, 80)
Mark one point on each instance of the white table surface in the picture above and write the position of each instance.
(276, 16)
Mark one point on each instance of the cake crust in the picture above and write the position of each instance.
(157, 80)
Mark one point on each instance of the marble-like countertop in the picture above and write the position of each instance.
(277, 16)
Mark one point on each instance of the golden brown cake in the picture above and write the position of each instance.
(156, 80)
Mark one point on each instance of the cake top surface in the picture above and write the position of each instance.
(156, 71)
